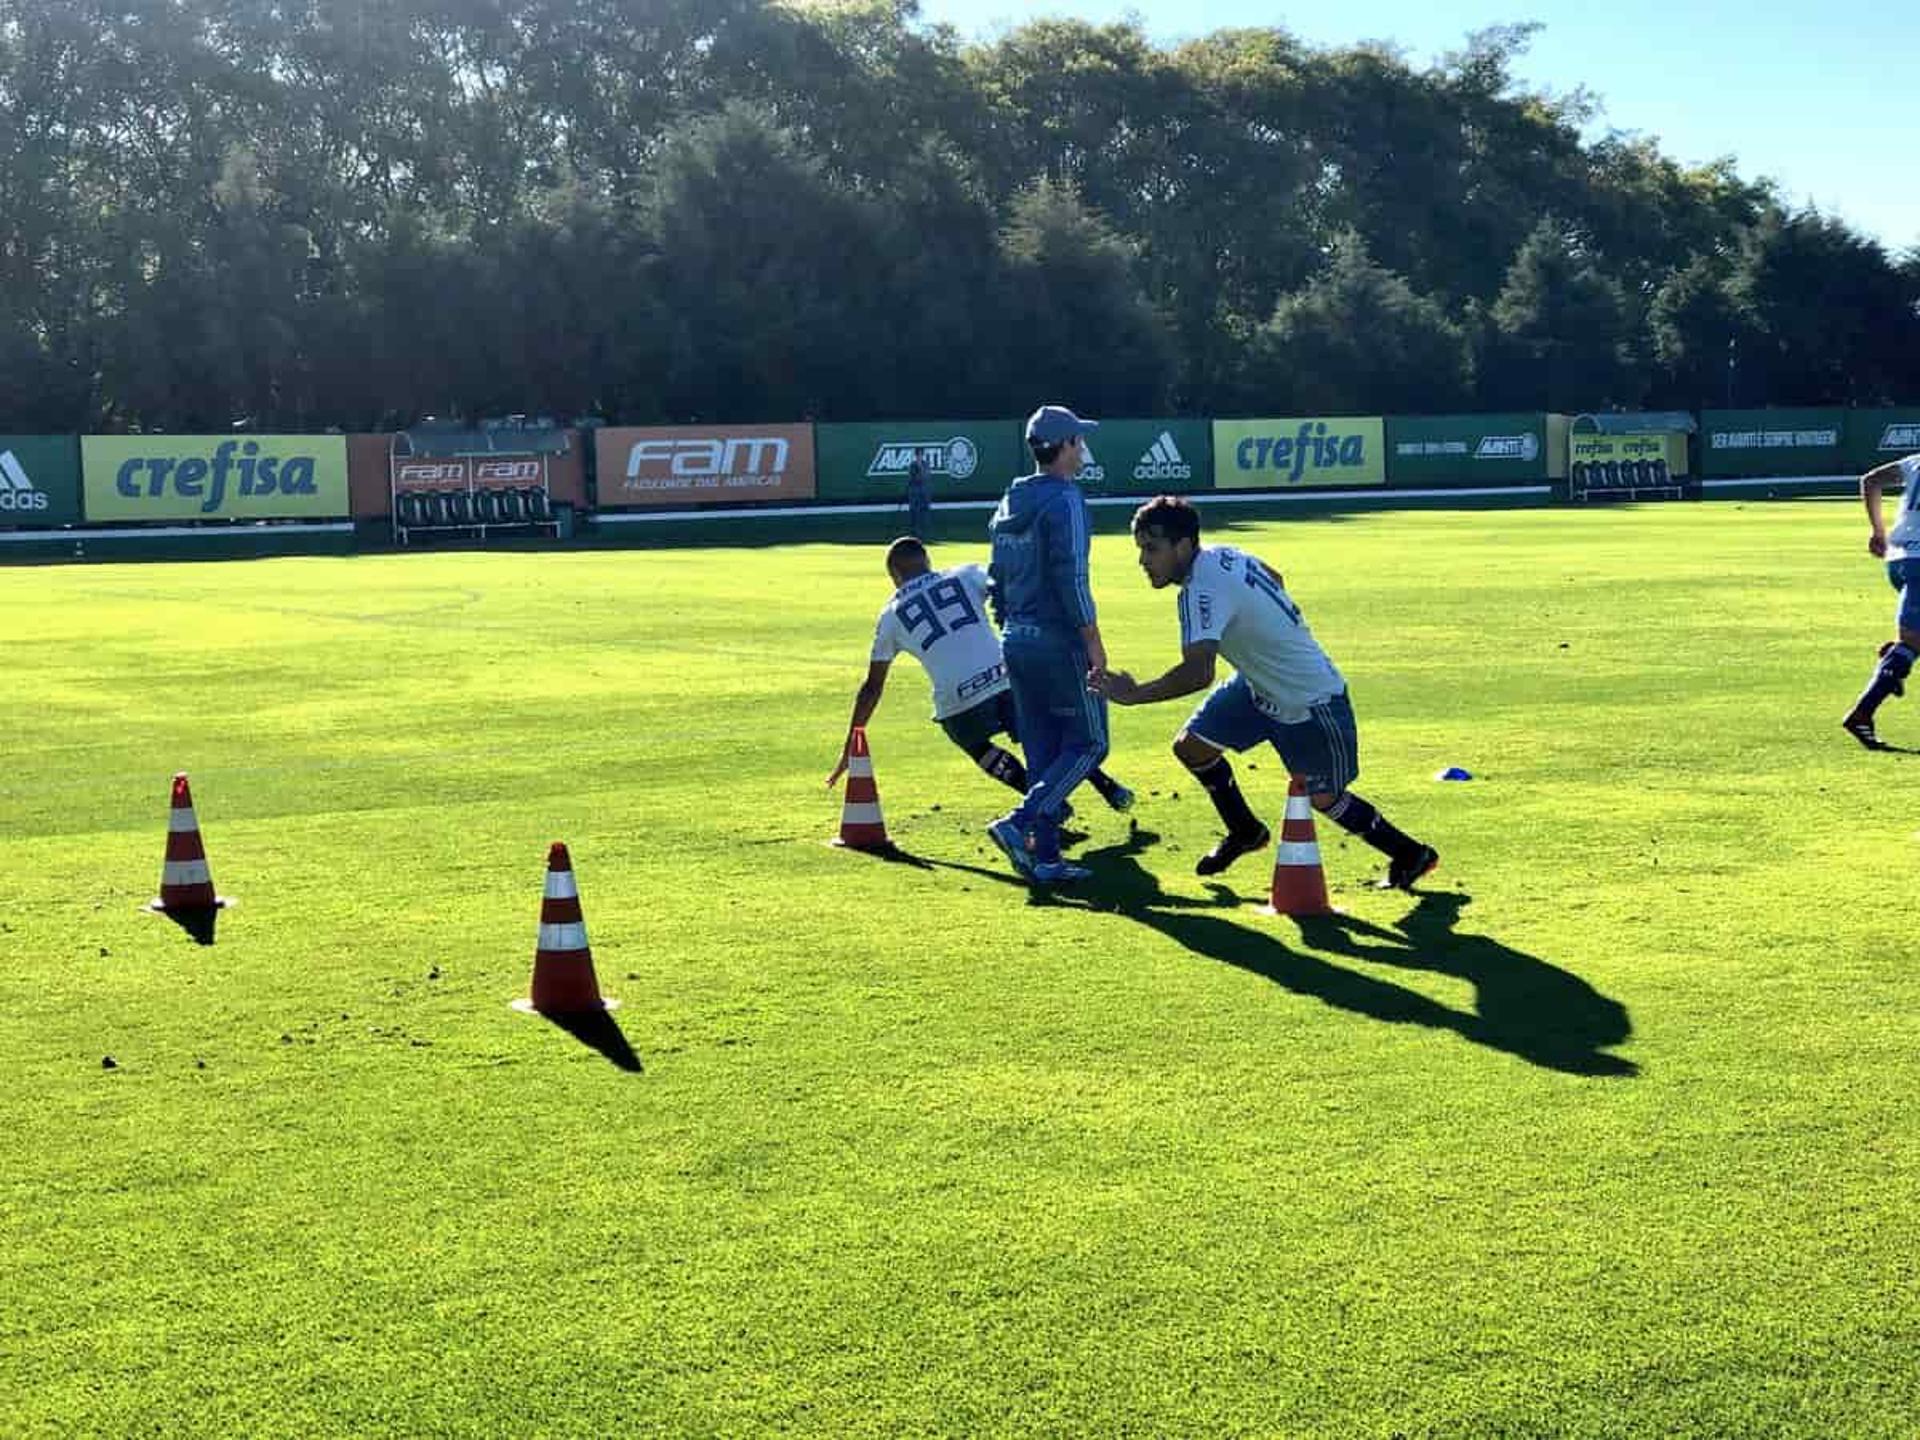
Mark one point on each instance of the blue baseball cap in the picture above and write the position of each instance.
(1056, 424)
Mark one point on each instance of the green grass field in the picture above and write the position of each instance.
(1623, 1146)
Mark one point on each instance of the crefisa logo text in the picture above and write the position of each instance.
(207, 479)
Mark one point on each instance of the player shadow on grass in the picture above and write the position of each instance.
(1524, 1006)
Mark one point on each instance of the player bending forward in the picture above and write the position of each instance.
(939, 617)
(1286, 693)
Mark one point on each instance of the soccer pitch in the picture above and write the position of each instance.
(1608, 1132)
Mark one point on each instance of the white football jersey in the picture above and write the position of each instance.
(940, 618)
(1232, 598)
(1904, 538)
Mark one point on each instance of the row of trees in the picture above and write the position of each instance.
(302, 213)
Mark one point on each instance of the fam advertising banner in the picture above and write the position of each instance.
(1466, 449)
(413, 473)
(39, 480)
(963, 458)
(1772, 442)
(1148, 457)
(704, 465)
(1292, 453)
(1876, 436)
(214, 477)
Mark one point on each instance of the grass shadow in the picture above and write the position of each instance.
(1524, 1006)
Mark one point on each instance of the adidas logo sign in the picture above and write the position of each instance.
(17, 492)
(1900, 437)
(1162, 461)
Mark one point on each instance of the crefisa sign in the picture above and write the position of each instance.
(214, 477)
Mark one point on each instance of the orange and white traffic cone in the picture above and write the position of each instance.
(186, 885)
(862, 827)
(563, 980)
(1299, 884)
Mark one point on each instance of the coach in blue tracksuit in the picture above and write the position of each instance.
(1040, 596)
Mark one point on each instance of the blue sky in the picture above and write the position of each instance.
(1822, 98)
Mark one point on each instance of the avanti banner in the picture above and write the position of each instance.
(1876, 436)
(1466, 449)
(964, 459)
(39, 480)
(1294, 453)
(214, 477)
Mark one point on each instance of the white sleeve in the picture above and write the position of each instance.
(886, 637)
(973, 579)
(1206, 605)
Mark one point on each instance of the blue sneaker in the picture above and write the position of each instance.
(1120, 799)
(1059, 872)
(1007, 833)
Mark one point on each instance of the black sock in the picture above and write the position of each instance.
(1104, 783)
(1896, 662)
(1357, 817)
(1224, 791)
(1003, 767)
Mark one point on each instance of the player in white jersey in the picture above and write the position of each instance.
(940, 618)
(1286, 693)
(1901, 550)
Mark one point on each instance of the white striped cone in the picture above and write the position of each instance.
(563, 979)
(1299, 884)
(186, 884)
(862, 827)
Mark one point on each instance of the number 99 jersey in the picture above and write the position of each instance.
(940, 618)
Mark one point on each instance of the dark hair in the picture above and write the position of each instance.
(1171, 516)
(906, 548)
(1045, 454)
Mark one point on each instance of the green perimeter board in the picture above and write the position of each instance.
(215, 477)
(39, 480)
(1508, 449)
(965, 459)
(1149, 457)
(1773, 442)
(1876, 436)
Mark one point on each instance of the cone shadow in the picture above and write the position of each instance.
(197, 923)
(889, 852)
(598, 1030)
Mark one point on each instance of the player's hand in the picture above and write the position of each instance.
(1117, 685)
(1877, 546)
(841, 768)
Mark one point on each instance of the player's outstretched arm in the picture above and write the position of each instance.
(865, 702)
(1194, 672)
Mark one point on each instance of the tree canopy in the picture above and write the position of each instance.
(356, 212)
